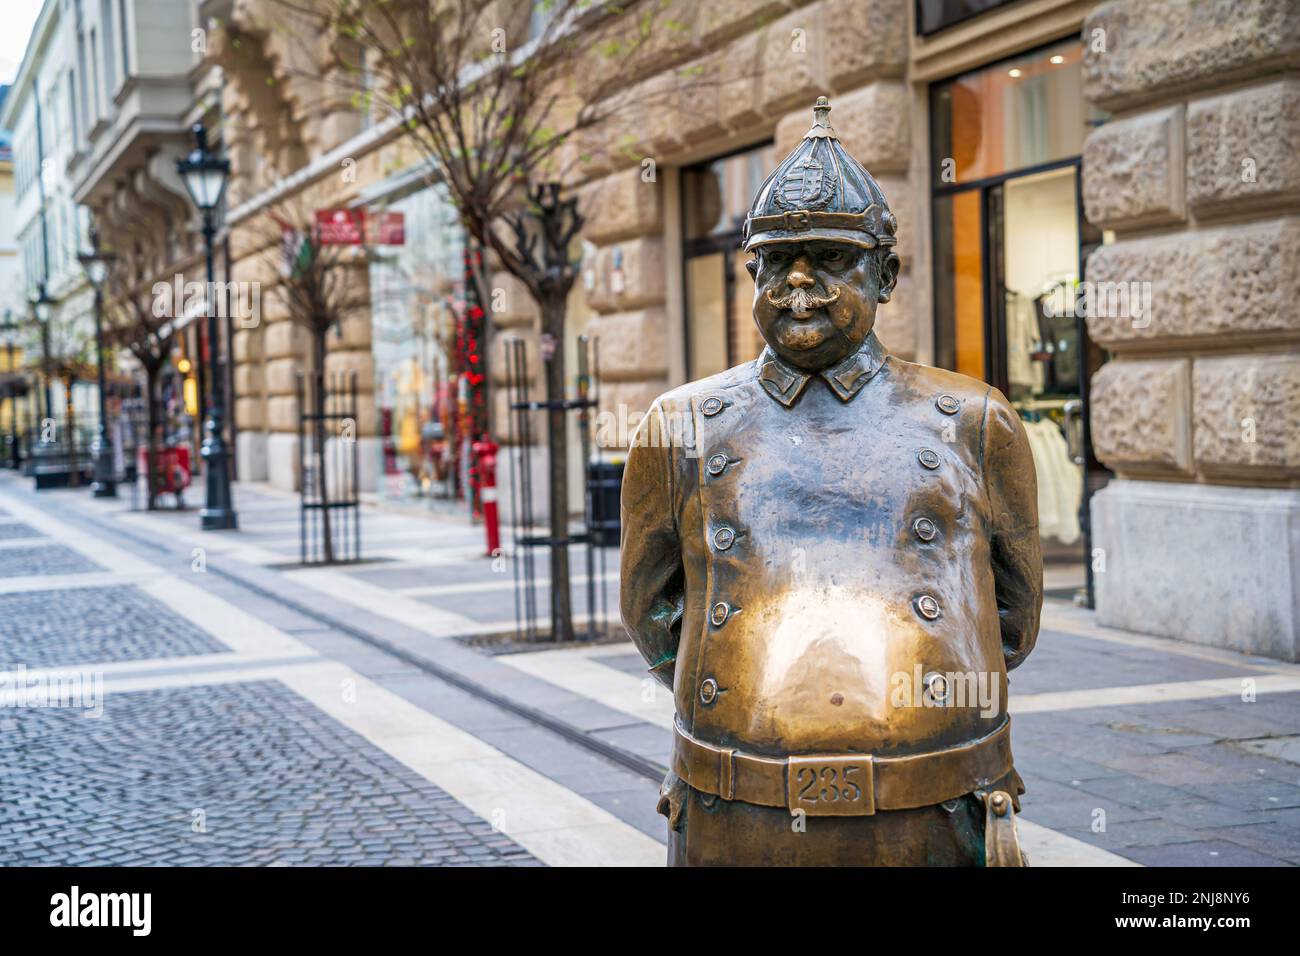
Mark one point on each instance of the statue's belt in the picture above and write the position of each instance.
(843, 784)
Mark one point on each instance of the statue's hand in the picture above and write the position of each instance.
(672, 799)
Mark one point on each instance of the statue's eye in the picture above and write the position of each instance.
(833, 256)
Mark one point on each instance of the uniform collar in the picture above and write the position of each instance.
(786, 384)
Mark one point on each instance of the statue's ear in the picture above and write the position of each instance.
(752, 266)
(889, 266)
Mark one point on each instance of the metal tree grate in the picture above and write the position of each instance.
(329, 516)
(523, 520)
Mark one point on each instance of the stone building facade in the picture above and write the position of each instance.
(1198, 413)
(1026, 147)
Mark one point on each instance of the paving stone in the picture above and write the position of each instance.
(1207, 853)
(263, 764)
(11, 530)
(94, 626)
(42, 559)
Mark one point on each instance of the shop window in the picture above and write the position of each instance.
(720, 330)
(935, 15)
(1010, 244)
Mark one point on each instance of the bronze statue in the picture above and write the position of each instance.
(832, 557)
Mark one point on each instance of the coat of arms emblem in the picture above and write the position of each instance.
(803, 186)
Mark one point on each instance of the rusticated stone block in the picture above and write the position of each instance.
(896, 321)
(620, 206)
(284, 339)
(352, 332)
(501, 357)
(1140, 415)
(249, 380)
(622, 406)
(641, 262)
(1247, 411)
(1143, 51)
(793, 62)
(247, 346)
(718, 22)
(742, 71)
(282, 376)
(271, 305)
(282, 413)
(872, 123)
(1243, 148)
(865, 39)
(632, 345)
(509, 302)
(699, 98)
(360, 364)
(902, 203)
(250, 414)
(1133, 170)
(1239, 280)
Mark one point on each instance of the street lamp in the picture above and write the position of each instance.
(204, 175)
(96, 263)
(43, 306)
(13, 389)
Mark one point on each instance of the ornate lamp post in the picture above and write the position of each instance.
(205, 174)
(43, 306)
(96, 263)
(14, 390)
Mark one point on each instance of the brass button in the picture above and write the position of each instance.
(927, 607)
(929, 458)
(925, 529)
(948, 405)
(724, 538)
(717, 464)
(711, 406)
(719, 614)
(708, 690)
(936, 686)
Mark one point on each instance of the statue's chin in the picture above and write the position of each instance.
(802, 339)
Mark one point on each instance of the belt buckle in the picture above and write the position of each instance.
(831, 786)
(798, 220)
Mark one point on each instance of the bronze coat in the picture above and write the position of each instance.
(773, 570)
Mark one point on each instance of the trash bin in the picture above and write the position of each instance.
(604, 487)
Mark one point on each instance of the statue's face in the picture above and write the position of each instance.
(815, 302)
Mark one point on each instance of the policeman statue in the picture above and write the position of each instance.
(832, 558)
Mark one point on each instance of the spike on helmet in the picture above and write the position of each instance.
(820, 192)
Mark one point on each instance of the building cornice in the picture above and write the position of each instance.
(42, 33)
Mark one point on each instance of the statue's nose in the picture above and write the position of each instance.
(799, 280)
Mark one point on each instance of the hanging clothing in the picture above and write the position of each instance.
(1060, 481)
(1023, 373)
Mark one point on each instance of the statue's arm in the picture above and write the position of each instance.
(1013, 511)
(651, 574)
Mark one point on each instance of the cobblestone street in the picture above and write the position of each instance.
(256, 712)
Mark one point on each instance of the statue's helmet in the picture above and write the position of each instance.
(820, 192)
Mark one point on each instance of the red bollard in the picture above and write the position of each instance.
(486, 452)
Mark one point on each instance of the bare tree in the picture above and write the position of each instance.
(497, 97)
(136, 322)
(317, 281)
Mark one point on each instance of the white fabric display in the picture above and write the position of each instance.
(1060, 482)
(1022, 340)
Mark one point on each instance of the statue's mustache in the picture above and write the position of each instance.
(802, 302)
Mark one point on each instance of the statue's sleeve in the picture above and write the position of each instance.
(651, 574)
(1016, 550)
